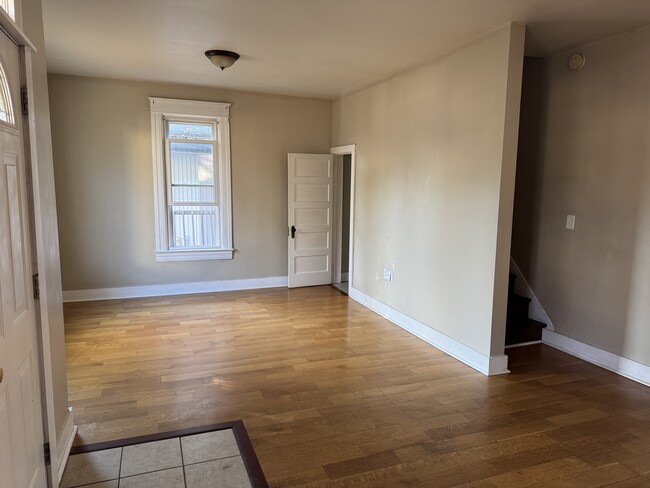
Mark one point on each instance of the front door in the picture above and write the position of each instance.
(310, 219)
(21, 428)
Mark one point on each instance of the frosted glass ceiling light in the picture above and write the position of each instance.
(222, 59)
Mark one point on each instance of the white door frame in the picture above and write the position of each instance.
(59, 448)
(350, 149)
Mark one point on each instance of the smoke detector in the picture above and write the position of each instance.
(576, 61)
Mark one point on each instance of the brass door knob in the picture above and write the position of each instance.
(2, 374)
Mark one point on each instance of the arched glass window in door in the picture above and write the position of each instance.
(6, 107)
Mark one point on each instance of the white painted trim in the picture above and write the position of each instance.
(173, 106)
(485, 364)
(521, 344)
(14, 31)
(39, 251)
(625, 367)
(173, 289)
(64, 445)
(536, 311)
(217, 113)
(350, 149)
(337, 214)
(203, 255)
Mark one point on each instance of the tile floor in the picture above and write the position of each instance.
(208, 460)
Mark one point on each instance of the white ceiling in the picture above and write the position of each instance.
(321, 48)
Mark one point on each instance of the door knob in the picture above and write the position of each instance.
(2, 373)
(293, 231)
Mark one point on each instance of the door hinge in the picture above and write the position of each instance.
(37, 288)
(46, 452)
(24, 100)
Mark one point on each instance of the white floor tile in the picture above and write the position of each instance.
(218, 444)
(92, 467)
(223, 473)
(168, 478)
(152, 456)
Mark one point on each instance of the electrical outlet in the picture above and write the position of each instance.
(388, 274)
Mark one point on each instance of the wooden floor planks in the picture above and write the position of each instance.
(334, 395)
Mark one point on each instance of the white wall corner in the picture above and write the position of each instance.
(484, 364)
(173, 289)
(536, 311)
(625, 367)
(63, 446)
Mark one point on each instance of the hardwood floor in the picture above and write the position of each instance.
(333, 395)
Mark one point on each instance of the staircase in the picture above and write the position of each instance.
(520, 328)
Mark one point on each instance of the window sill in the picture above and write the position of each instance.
(202, 255)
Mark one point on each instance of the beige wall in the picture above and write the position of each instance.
(103, 169)
(593, 161)
(436, 154)
(47, 240)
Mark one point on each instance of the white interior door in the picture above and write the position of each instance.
(21, 428)
(310, 219)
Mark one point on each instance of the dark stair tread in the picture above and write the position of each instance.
(519, 298)
(536, 323)
(529, 331)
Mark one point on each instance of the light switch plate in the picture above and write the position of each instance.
(388, 274)
(570, 222)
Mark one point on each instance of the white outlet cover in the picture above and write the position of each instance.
(570, 222)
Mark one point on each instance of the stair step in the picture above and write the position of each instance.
(517, 309)
(529, 331)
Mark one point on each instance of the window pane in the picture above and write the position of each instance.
(6, 112)
(9, 7)
(190, 130)
(192, 172)
(195, 226)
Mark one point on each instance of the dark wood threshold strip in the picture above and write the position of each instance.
(248, 455)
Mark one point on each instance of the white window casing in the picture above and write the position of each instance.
(165, 110)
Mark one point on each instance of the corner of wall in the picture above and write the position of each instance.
(511, 109)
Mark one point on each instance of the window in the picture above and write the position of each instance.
(6, 108)
(191, 154)
(9, 7)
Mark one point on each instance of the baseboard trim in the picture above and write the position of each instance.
(522, 344)
(64, 444)
(485, 364)
(173, 289)
(625, 367)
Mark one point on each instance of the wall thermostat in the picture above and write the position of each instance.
(576, 61)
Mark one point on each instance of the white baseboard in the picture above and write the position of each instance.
(173, 289)
(536, 311)
(625, 367)
(64, 445)
(485, 364)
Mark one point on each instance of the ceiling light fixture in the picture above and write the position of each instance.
(222, 59)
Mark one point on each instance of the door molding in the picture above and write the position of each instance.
(350, 149)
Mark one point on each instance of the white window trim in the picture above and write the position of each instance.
(220, 113)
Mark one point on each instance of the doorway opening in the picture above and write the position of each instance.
(342, 232)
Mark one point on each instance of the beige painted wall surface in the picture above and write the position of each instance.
(430, 158)
(103, 169)
(47, 233)
(594, 162)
